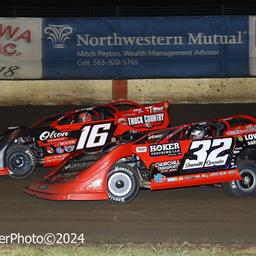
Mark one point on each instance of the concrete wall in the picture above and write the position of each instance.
(52, 92)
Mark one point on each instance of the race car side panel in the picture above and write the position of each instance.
(161, 152)
(160, 181)
(188, 162)
(58, 140)
(53, 138)
(91, 137)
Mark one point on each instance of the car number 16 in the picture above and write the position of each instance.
(91, 136)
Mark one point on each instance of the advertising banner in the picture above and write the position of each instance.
(252, 45)
(161, 47)
(20, 48)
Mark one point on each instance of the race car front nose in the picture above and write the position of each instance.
(64, 191)
(46, 190)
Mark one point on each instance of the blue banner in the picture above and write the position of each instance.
(164, 47)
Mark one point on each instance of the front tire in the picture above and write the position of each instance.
(20, 160)
(245, 187)
(123, 183)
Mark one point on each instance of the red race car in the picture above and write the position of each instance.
(221, 151)
(52, 139)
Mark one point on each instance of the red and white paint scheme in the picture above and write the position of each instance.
(51, 140)
(220, 151)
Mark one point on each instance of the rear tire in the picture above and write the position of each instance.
(123, 183)
(245, 187)
(20, 160)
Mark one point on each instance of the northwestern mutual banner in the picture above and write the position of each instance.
(146, 47)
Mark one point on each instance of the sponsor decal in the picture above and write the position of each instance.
(155, 136)
(240, 138)
(168, 166)
(113, 139)
(214, 174)
(54, 158)
(122, 121)
(159, 178)
(141, 149)
(59, 150)
(154, 118)
(251, 143)
(151, 109)
(250, 139)
(172, 179)
(52, 135)
(49, 150)
(95, 184)
(158, 109)
(138, 110)
(249, 129)
(58, 34)
(200, 176)
(43, 187)
(69, 148)
(189, 177)
(115, 39)
(67, 142)
(170, 149)
(251, 136)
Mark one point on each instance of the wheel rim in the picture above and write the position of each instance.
(119, 184)
(248, 181)
(19, 163)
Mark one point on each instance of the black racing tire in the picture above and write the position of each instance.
(20, 160)
(123, 183)
(245, 187)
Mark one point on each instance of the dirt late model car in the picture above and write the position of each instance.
(221, 151)
(52, 139)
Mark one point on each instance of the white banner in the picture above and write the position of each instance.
(20, 48)
(252, 45)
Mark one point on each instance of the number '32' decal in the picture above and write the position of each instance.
(208, 154)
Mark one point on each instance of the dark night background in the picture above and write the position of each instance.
(125, 8)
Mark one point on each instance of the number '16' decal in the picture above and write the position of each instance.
(96, 138)
(208, 153)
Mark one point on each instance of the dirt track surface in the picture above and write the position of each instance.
(191, 214)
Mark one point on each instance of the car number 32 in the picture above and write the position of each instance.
(208, 153)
